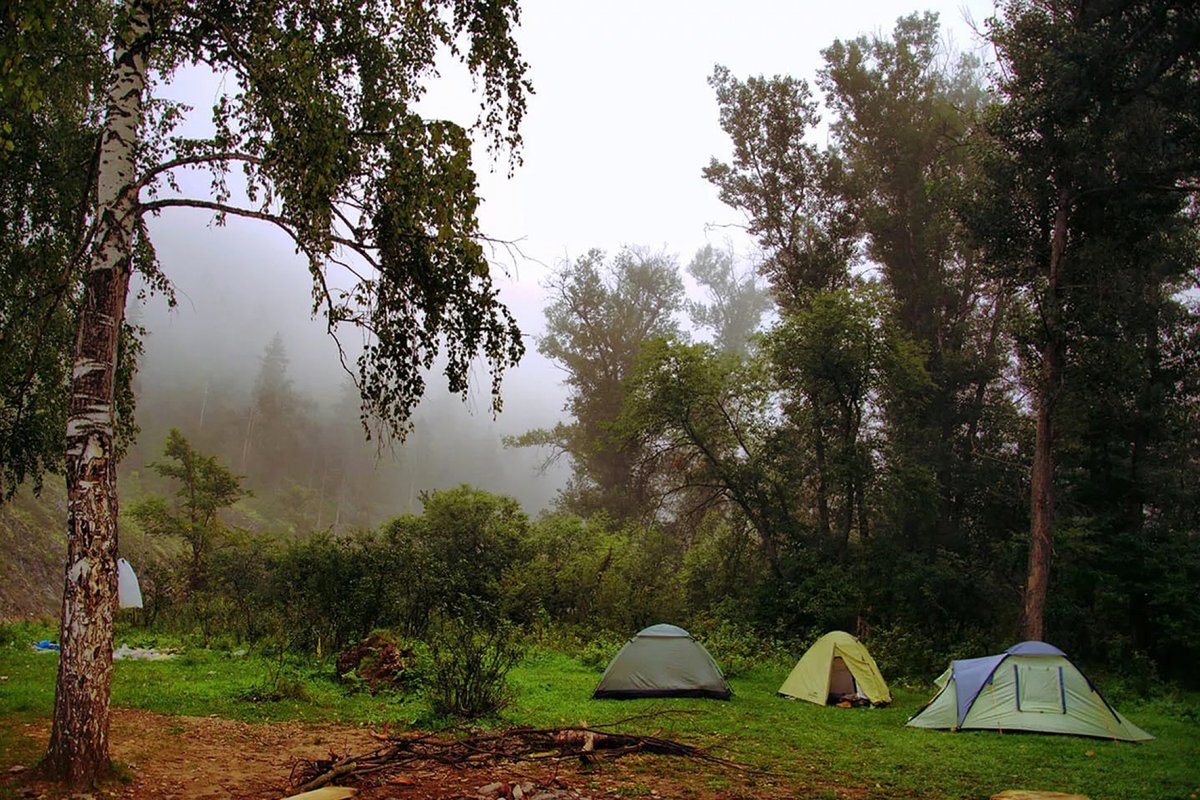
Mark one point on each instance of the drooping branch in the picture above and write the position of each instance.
(224, 208)
(190, 161)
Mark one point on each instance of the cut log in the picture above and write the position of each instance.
(327, 793)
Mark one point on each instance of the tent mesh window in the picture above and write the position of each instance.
(1040, 689)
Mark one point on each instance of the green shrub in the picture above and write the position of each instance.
(734, 647)
(598, 652)
(23, 634)
(468, 663)
(902, 653)
(276, 688)
(286, 678)
(1137, 679)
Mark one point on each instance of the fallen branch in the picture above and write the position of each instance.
(514, 744)
(328, 777)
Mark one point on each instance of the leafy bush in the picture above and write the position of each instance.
(599, 651)
(276, 688)
(1137, 679)
(586, 573)
(734, 647)
(463, 548)
(286, 678)
(468, 664)
(903, 653)
(23, 634)
(330, 592)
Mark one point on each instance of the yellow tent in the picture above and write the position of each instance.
(838, 666)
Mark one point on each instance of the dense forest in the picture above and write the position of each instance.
(946, 399)
(837, 431)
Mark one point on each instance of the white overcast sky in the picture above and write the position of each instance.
(620, 126)
(623, 120)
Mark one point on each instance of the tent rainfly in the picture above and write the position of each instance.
(837, 666)
(129, 591)
(1031, 686)
(662, 661)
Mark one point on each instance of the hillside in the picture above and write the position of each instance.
(33, 545)
(33, 542)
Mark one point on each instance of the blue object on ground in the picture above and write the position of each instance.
(46, 644)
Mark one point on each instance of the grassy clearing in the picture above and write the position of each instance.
(872, 750)
(817, 751)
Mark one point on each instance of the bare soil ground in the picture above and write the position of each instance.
(205, 758)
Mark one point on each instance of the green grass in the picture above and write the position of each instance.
(872, 750)
(813, 750)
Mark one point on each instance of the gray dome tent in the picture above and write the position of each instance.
(662, 661)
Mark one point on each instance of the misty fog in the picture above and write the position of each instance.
(238, 286)
(612, 157)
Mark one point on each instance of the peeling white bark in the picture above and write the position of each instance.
(78, 569)
(79, 739)
(85, 367)
(89, 418)
(94, 450)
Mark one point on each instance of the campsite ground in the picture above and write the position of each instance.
(193, 728)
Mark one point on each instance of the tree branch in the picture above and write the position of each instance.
(224, 208)
(188, 161)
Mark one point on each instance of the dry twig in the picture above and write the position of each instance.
(513, 744)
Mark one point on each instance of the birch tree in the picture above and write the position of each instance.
(317, 115)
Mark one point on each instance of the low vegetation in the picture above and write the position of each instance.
(867, 752)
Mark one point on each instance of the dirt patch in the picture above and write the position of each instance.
(206, 758)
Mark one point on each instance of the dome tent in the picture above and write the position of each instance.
(1031, 686)
(662, 661)
(837, 666)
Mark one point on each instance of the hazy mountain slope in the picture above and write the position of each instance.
(33, 547)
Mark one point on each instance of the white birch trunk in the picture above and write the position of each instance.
(79, 749)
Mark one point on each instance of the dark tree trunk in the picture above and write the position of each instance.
(823, 524)
(79, 750)
(864, 530)
(1041, 543)
(975, 413)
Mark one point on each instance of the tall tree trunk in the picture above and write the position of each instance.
(823, 523)
(79, 738)
(1146, 433)
(975, 412)
(864, 530)
(849, 459)
(1041, 495)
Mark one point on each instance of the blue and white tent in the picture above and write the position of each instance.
(1031, 686)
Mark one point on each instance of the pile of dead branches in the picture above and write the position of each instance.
(515, 744)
